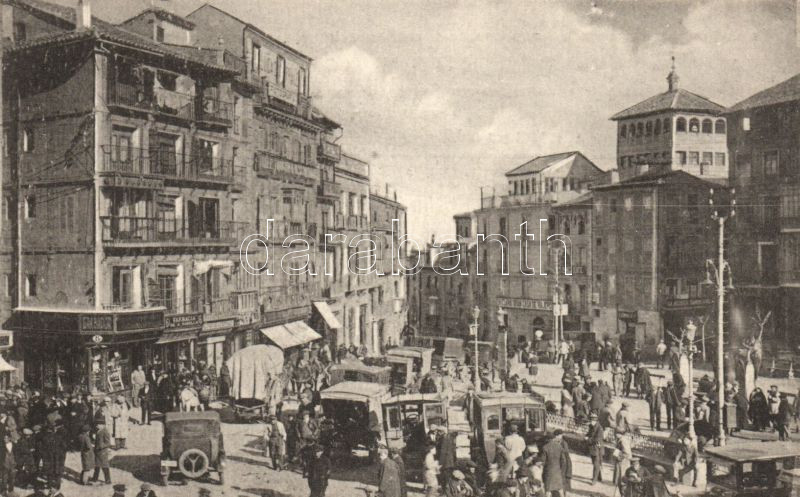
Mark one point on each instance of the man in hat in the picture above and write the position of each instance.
(87, 453)
(596, 447)
(516, 446)
(53, 451)
(554, 458)
(23, 454)
(102, 451)
(319, 470)
(138, 379)
(671, 402)
(634, 476)
(446, 452)
(120, 411)
(389, 484)
(783, 418)
(397, 457)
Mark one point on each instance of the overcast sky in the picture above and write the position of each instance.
(443, 96)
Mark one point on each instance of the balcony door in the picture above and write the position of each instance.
(131, 212)
(121, 153)
(164, 152)
(126, 286)
(203, 218)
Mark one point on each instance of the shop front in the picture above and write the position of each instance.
(216, 343)
(85, 351)
(175, 348)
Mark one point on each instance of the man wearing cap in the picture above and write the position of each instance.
(24, 457)
(456, 486)
(102, 451)
(596, 446)
(634, 475)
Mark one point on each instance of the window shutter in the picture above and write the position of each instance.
(153, 290)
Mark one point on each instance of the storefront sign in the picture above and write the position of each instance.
(140, 321)
(541, 304)
(175, 321)
(99, 322)
(628, 316)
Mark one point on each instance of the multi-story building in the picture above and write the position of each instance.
(522, 278)
(674, 130)
(573, 218)
(176, 138)
(762, 139)
(652, 234)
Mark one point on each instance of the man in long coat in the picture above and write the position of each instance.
(554, 470)
(319, 471)
(102, 452)
(401, 470)
(389, 484)
(596, 443)
(86, 446)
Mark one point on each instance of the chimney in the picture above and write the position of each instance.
(83, 15)
(672, 78)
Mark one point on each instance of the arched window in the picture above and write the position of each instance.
(680, 124)
(657, 128)
(648, 128)
(581, 226)
(719, 126)
(694, 125)
(623, 131)
(639, 129)
(707, 126)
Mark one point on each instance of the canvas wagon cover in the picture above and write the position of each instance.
(253, 371)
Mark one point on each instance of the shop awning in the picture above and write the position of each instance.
(291, 335)
(6, 367)
(203, 267)
(327, 314)
(178, 336)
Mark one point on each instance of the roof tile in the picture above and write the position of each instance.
(679, 99)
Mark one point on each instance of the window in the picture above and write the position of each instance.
(680, 125)
(771, 163)
(692, 208)
(719, 126)
(657, 128)
(648, 128)
(280, 71)
(613, 207)
(166, 289)
(647, 202)
(623, 131)
(20, 32)
(667, 126)
(121, 140)
(629, 203)
(639, 129)
(302, 88)
(28, 142)
(707, 126)
(122, 286)
(708, 158)
(694, 158)
(30, 285)
(6, 285)
(159, 33)
(719, 158)
(746, 123)
(694, 125)
(255, 59)
(30, 207)
(598, 242)
(581, 226)
(566, 227)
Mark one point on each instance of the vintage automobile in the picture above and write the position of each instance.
(407, 418)
(192, 444)
(355, 411)
(355, 370)
(408, 363)
(492, 414)
(445, 349)
(752, 469)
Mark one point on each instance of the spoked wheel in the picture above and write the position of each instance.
(193, 463)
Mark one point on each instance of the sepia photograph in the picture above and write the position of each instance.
(400, 248)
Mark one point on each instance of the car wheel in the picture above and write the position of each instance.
(165, 477)
(193, 463)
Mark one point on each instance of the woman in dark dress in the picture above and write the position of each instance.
(759, 409)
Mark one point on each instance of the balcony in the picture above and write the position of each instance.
(330, 151)
(275, 167)
(214, 309)
(169, 165)
(246, 306)
(120, 231)
(329, 190)
(578, 270)
(215, 112)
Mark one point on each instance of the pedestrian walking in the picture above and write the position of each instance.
(389, 484)
(102, 452)
(397, 457)
(661, 354)
(431, 472)
(671, 403)
(617, 377)
(120, 412)
(146, 403)
(596, 443)
(773, 400)
(626, 387)
(655, 399)
(783, 418)
(553, 458)
(275, 442)
(87, 453)
(138, 380)
(319, 471)
(758, 409)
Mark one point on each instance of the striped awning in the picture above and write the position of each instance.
(291, 335)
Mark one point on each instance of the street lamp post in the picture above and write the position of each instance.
(501, 323)
(690, 333)
(476, 313)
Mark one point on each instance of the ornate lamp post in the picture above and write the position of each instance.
(501, 326)
(476, 313)
(689, 333)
